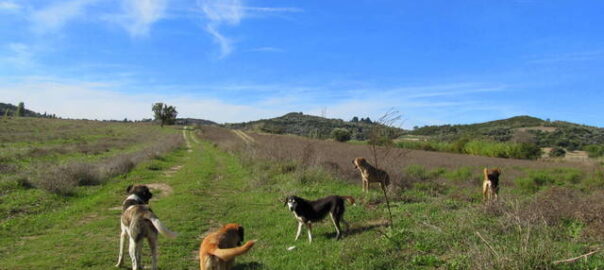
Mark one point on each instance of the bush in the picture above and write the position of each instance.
(536, 179)
(594, 150)
(340, 134)
(557, 152)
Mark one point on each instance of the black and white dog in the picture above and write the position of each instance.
(307, 212)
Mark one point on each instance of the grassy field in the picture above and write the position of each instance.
(439, 220)
(43, 161)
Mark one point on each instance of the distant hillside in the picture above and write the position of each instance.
(520, 129)
(12, 109)
(306, 125)
(194, 121)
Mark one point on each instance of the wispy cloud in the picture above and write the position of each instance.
(55, 16)
(9, 6)
(568, 57)
(139, 15)
(231, 12)
(19, 55)
(267, 49)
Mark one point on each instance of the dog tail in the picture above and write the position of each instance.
(227, 254)
(161, 228)
(486, 174)
(350, 199)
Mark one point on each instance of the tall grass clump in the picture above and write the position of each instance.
(477, 147)
(63, 179)
(536, 179)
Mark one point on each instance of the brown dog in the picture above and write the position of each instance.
(219, 249)
(490, 184)
(371, 174)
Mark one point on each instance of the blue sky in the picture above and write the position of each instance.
(435, 62)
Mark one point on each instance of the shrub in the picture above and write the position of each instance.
(557, 152)
(462, 174)
(594, 150)
(340, 134)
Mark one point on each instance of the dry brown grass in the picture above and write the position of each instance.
(62, 179)
(337, 157)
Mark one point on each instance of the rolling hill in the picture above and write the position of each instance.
(306, 125)
(524, 129)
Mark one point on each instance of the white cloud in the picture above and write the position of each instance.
(97, 100)
(9, 6)
(20, 55)
(230, 12)
(57, 15)
(140, 15)
(267, 49)
(117, 100)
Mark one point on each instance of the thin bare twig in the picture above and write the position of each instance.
(578, 257)
(488, 245)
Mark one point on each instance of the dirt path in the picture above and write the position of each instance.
(246, 138)
(187, 141)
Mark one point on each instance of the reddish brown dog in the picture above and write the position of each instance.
(490, 184)
(219, 249)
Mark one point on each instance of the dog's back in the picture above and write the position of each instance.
(219, 249)
(492, 175)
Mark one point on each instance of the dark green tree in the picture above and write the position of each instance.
(340, 134)
(20, 110)
(164, 113)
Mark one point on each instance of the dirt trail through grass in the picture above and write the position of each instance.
(246, 138)
(210, 188)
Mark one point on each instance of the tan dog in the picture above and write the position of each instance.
(490, 184)
(219, 249)
(139, 222)
(371, 174)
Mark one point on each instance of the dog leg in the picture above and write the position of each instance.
(120, 258)
(346, 223)
(139, 255)
(153, 246)
(299, 230)
(336, 223)
(133, 256)
(309, 227)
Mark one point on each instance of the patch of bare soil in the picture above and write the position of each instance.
(170, 172)
(87, 219)
(165, 189)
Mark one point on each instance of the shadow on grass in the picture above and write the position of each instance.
(357, 230)
(249, 265)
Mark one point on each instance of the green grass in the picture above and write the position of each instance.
(214, 187)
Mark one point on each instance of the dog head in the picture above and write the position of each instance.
(235, 232)
(141, 191)
(291, 202)
(358, 162)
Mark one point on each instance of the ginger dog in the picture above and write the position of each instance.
(219, 249)
(490, 184)
(371, 174)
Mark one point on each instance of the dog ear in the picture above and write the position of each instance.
(241, 234)
(129, 189)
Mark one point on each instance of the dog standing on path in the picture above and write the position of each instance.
(307, 212)
(139, 222)
(490, 184)
(219, 249)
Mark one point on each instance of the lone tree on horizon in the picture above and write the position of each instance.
(20, 110)
(164, 113)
